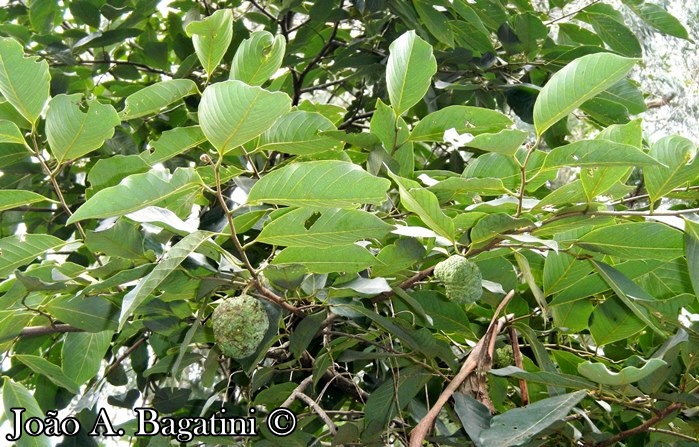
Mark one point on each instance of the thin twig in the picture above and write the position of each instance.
(572, 13)
(517, 354)
(298, 393)
(126, 354)
(419, 433)
(644, 427)
(35, 331)
(256, 282)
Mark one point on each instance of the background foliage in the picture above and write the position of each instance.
(323, 157)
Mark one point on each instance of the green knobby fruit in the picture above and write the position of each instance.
(239, 324)
(504, 357)
(461, 279)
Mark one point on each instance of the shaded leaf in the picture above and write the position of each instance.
(83, 353)
(635, 240)
(15, 395)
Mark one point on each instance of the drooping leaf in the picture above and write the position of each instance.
(24, 82)
(15, 395)
(137, 191)
(636, 240)
(258, 58)
(155, 97)
(599, 372)
(613, 32)
(679, 157)
(19, 250)
(409, 71)
(658, 18)
(520, 425)
(347, 258)
(307, 227)
(172, 259)
(73, 133)
(83, 353)
(629, 292)
(611, 321)
(211, 38)
(577, 82)
(50, 370)
(232, 113)
(298, 133)
(320, 184)
(474, 416)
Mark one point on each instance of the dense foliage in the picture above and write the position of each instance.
(323, 157)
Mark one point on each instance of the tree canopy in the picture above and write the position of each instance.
(312, 163)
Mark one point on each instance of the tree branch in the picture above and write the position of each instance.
(419, 433)
(644, 427)
(36, 331)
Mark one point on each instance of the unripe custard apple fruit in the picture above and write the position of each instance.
(239, 324)
(461, 279)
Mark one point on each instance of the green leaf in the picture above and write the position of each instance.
(658, 18)
(691, 250)
(89, 313)
(10, 133)
(679, 157)
(136, 192)
(320, 184)
(19, 250)
(15, 395)
(211, 38)
(629, 292)
(597, 153)
(391, 397)
(122, 240)
(599, 373)
(614, 33)
(434, 21)
(409, 71)
(232, 113)
(474, 416)
(155, 97)
(24, 82)
(426, 206)
(42, 14)
(297, 133)
(306, 227)
(545, 377)
(305, 332)
(448, 188)
(575, 83)
(636, 240)
(169, 262)
(83, 353)
(12, 198)
(110, 171)
(473, 120)
(612, 321)
(258, 58)
(173, 142)
(50, 370)
(73, 133)
(505, 142)
(520, 425)
(84, 11)
(347, 258)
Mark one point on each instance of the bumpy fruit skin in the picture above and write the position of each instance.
(239, 324)
(504, 357)
(461, 279)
